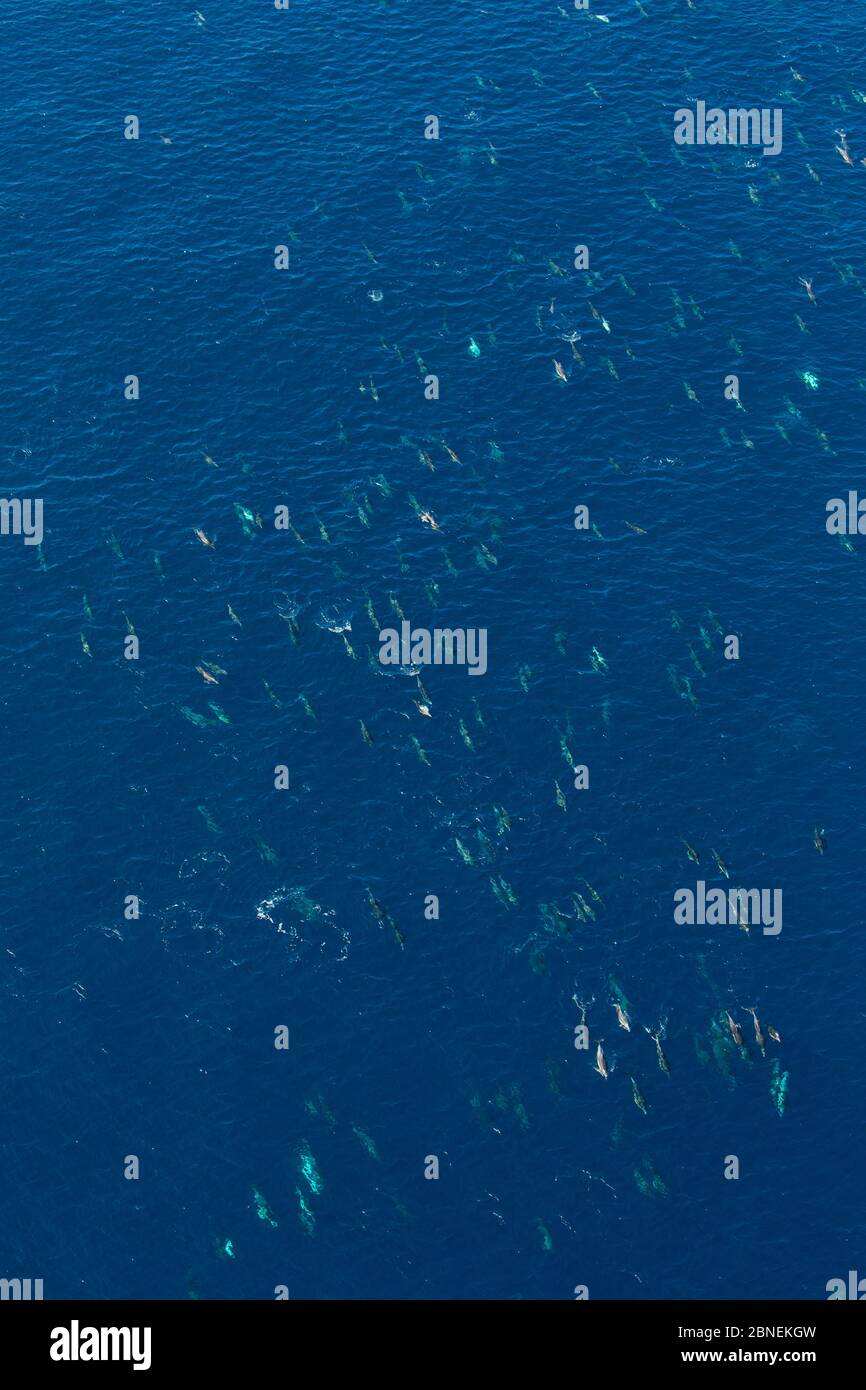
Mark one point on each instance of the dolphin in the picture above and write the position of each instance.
(664, 1065)
(735, 1030)
(722, 866)
(622, 1017)
(807, 286)
(636, 1096)
(759, 1036)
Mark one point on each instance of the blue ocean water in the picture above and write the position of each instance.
(305, 388)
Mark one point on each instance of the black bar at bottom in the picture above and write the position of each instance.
(67, 1338)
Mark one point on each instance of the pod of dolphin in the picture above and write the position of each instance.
(579, 340)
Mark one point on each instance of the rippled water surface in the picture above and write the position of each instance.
(305, 908)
